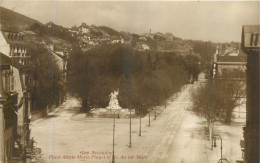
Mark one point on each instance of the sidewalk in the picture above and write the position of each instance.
(231, 136)
(65, 103)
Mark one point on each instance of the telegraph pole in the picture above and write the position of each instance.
(113, 156)
(212, 106)
(130, 142)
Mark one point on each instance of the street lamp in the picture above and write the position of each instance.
(140, 128)
(130, 144)
(215, 145)
(149, 119)
(113, 157)
(149, 109)
(212, 120)
(155, 111)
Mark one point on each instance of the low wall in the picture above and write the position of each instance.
(37, 114)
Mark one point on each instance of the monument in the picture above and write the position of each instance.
(113, 103)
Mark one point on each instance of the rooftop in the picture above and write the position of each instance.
(232, 58)
(7, 61)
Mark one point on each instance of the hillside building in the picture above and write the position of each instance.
(84, 28)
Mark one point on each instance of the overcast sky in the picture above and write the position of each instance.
(213, 21)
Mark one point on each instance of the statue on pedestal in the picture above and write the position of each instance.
(113, 103)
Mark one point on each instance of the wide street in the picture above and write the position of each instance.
(176, 136)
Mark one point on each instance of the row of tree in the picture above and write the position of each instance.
(45, 78)
(144, 79)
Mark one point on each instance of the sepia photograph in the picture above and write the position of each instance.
(89, 81)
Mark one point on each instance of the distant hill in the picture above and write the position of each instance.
(9, 18)
(96, 31)
(109, 31)
(157, 41)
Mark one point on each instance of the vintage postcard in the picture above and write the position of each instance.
(129, 81)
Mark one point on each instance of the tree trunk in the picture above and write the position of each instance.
(228, 116)
(209, 130)
(85, 107)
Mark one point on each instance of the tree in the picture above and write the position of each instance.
(192, 64)
(140, 76)
(46, 78)
(205, 49)
(202, 99)
(94, 75)
(231, 89)
(217, 101)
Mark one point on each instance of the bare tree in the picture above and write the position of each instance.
(231, 88)
(217, 101)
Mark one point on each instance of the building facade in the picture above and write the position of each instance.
(250, 44)
(15, 102)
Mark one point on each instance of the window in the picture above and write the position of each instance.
(7, 83)
(224, 72)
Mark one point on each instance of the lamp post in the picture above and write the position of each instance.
(215, 145)
(113, 157)
(149, 106)
(149, 120)
(149, 109)
(140, 128)
(155, 113)
(212, 120)
(213, 80)
(130, 143)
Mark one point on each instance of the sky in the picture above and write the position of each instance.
(217, 21)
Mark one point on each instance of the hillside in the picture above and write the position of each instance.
(109, 31)
(9, 18)
(89, 36)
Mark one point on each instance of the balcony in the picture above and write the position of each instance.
(17, 155)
